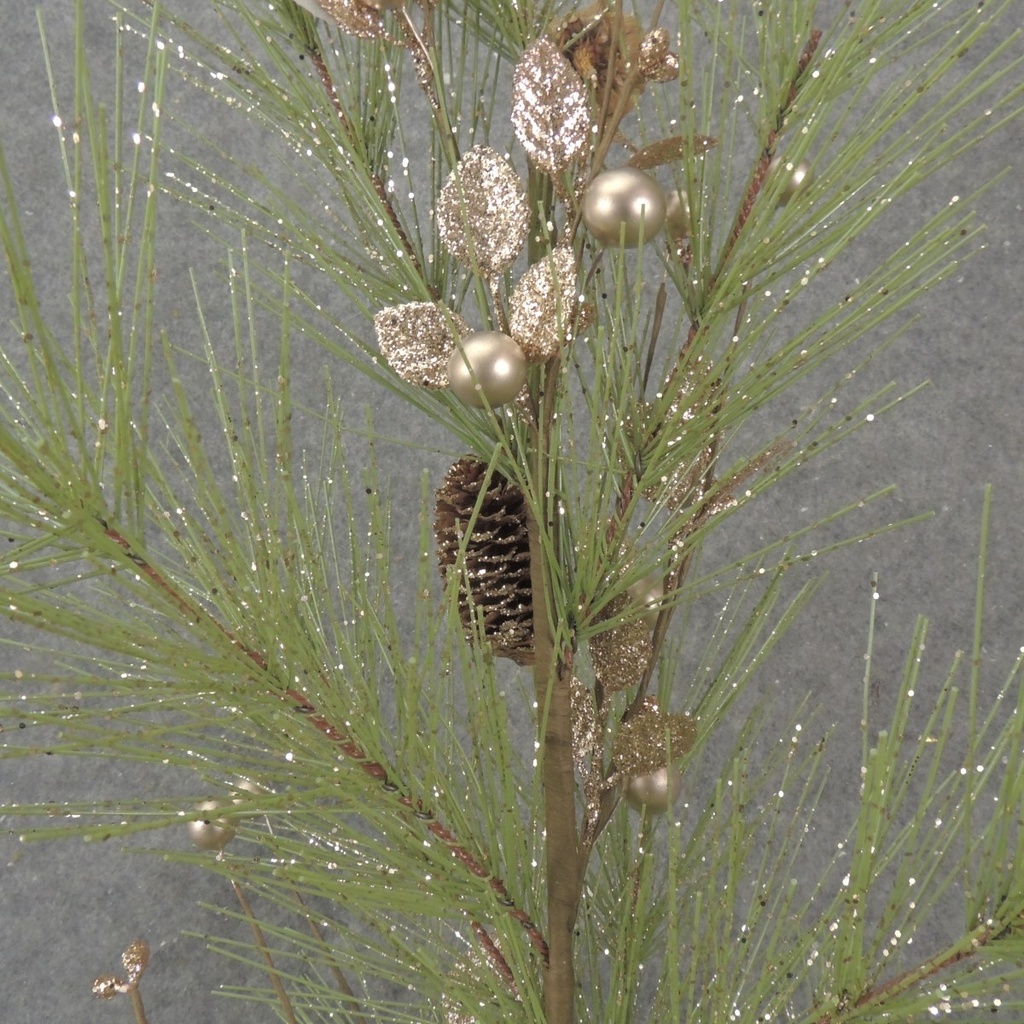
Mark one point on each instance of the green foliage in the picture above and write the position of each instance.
(249, 625)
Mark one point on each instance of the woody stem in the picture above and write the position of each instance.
(552, 674)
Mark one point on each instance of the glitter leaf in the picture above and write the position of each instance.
(643, 742)
(670, 150)
(416, 339)
(135, 959)
(482, 214)
(620, 655)
(358, 19)
(550, 114)
(584, 725)
(586, 744)
(656, 63)
(544, 305)
(106, 986)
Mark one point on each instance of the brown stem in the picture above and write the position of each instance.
(551, 682)
(610, 798)
(377, 771)
(552, 673)
(137, 1008)
(746, 206)
(261, 945)
(498, 961)
(659, 316)
(350, 748)
(673, 581)
(760, 174)
(337, 973)
(420, 46)
(354, 1010)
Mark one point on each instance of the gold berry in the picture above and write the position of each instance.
(210, 833)
(656, 792)
(487, 369)
(623, 207)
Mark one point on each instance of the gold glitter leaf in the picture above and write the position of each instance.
(416, 340)
(482, 214)
(620, 655)
(586, 745)
(550, 114)
(106, 986)
(135, 959)
(670, 150)
(643, 742)
(358, 19)
(656, 63)
(584, 725)
(544, 305)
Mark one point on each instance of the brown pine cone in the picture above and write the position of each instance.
(494, 583)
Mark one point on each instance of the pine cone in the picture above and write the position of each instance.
(496, 582)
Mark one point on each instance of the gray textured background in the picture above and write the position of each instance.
(67, 910)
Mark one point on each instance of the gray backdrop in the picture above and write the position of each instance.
(68, 909)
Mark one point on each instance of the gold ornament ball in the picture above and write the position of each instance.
(488, 369)
(622, 206)
(655, 792)
(677, 214)
(383, 5)
(798, 177)
(210, 833)
(648, 593)
(244, 785)
(247, 786)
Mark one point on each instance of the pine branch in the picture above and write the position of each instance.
(617, 486)
(761, 168)
(313, 51)
(971, 946)
(376, 771)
